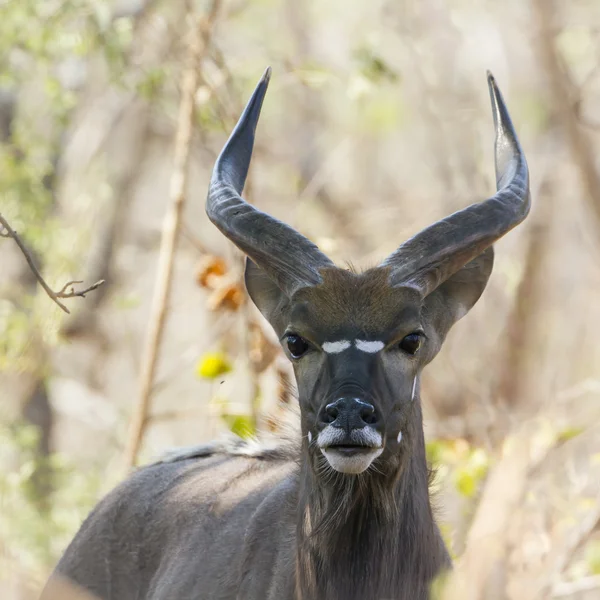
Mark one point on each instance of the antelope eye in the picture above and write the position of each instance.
(297, 345)
(411, 343)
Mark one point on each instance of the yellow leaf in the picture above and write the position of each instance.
(241, 425)
(465, 482)
(592, 557)
(568, 434)
(212, 365)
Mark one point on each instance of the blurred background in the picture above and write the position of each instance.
(377, 123)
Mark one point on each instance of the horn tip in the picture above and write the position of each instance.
(266, 75)
(491, 80)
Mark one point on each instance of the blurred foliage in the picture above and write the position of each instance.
(37, 39)
(40, 44)
(592, 557)
(15, 336)
(213, 364)
(314, 75)
(373, 67)
(237, 423)
(568, 434)
(32, 529)
(465, 464)
(43, 46)
(241, 425)
(151, 83)
(469, 475)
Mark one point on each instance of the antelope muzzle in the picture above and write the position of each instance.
(348, 439)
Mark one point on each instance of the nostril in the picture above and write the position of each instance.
(331, 413)
(367, 413)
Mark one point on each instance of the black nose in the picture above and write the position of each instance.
(349, 413)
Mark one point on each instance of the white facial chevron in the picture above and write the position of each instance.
(336, 347)
(370, 347)
(362, 345)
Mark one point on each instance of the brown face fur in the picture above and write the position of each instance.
(349, 306)
(346, 307)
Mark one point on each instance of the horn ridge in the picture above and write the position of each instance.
(433, 255)
(288, 257)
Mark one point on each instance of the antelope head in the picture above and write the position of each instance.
(359, 341)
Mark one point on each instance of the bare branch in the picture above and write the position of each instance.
(72, 293)
(201, 31)
(194, 241)
(570, 588)
(7, 231)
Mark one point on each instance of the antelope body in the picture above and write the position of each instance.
(346, 515)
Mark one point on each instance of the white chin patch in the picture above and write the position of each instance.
(352, 465)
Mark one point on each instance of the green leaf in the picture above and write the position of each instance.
(469, 475)
(568, 434)
(465, 482)
(373, 66)
(241, 425)
(592, 557)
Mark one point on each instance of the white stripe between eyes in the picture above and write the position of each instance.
(370, 347)
(364, 346)
(336, 347)
(414, 389)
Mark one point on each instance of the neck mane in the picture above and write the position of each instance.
(368, 536)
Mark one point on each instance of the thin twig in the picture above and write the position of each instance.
(201, 36)
(561, 558)
(9, 232)
(193, 239)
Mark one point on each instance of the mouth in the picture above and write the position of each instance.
(350, 452)
(350, 449)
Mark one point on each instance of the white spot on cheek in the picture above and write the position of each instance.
(414, 389)
(370, 347)
(309, 437)
(399, 436)
(336, 347)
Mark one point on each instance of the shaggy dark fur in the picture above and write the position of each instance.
(237, 522)
(372, 536)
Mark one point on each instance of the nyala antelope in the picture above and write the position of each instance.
(345, 514)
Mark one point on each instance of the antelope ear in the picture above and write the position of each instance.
(454, 298)
(266, 294)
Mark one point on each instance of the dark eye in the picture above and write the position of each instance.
(411, 343)
(297, 345)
